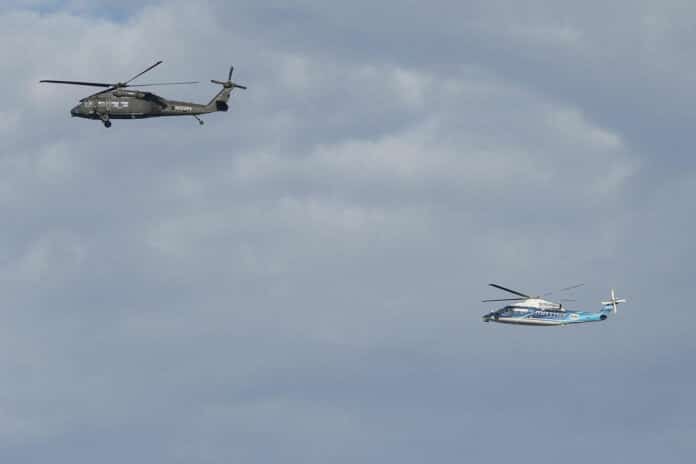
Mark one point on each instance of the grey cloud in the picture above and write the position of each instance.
(299, 279)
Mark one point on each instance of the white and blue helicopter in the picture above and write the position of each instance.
(534, 310)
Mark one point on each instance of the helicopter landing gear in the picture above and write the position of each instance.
(200, 121)
(105, 119)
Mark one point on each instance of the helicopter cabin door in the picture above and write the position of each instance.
(109, 103)
(102, 103)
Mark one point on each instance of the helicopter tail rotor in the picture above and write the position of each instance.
(219, 101)
(228, 84)
(613, 302)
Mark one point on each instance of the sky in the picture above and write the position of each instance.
(299, 279)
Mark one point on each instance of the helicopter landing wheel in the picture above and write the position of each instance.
(107, 124)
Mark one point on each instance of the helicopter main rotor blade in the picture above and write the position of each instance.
(503, 299)
(91, 84)
(500, 287)
(140, 74)
(165, 83)
(563, 289)
(571, 287)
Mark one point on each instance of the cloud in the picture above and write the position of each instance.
(298, 279)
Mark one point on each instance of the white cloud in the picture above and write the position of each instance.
(572, 125)
(49, 260)
(167, 285)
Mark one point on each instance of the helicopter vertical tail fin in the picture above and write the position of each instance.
(611, 305)
(219, 101)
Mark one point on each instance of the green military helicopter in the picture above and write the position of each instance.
(117, 102)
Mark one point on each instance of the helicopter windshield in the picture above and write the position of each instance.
(508, 310)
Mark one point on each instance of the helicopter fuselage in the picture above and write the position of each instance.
(127, 104)
(535, 316)
(537, 311)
